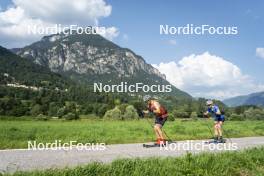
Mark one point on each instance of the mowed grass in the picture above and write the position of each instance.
(243, 163)
(16, 134)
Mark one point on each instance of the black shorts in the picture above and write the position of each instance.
(161, 121)
(219, 118)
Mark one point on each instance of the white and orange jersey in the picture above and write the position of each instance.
(157, 108)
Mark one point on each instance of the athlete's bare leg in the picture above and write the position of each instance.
(158, 131)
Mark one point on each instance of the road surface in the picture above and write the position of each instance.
(24, 160)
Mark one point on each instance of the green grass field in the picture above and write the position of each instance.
(245, 163)
(15, 134)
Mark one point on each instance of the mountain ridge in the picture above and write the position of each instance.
(250, 99)
(92, 43)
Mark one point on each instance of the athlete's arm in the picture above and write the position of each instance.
(146, 111)
(157, 111)
(217, 111)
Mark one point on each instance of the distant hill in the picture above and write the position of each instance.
(251, 99)
(17, 70)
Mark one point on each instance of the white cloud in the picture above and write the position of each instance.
(207, 75)
(110, 33)
(172, 42)
(65, 11)
(15, 20)
(260, 52)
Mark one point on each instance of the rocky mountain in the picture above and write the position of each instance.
(86, 54)
(251, 99)
(89, 58)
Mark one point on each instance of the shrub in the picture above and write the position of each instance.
(113, 114)
(70, 106)
(130, 112)
(71, 116)
(42, 117)
(122, 108)
(117, 102)
(171, 117)
(235, 116)
(254, 114)
(194, 116)
(181, 114)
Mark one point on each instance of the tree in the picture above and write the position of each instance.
(36, 110)
(87, 108)
(53, 109)
(19, 110)
(101, 111)
(61, 112)
(139, 106)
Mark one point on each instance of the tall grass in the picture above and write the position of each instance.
(15, 134)
(245, 163)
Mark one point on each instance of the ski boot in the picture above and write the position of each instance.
(221, 140)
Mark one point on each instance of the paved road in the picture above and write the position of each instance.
(23, 159)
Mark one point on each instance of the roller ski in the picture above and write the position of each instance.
(159, 143)
(216, 141)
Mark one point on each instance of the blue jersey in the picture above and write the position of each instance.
(213, 110)
(217, 117)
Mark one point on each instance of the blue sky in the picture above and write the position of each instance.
(138, 25)
(140, 21)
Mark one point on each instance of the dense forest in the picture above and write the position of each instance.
(81, 100)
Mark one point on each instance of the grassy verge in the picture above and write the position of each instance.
(245, 163)
(15, 134)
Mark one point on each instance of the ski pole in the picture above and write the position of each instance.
(166, 135)
(227, 135)
(209, 129)
(162, 130)
(149, 123)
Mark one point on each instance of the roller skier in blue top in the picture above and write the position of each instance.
(219, 119)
